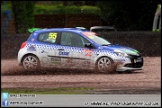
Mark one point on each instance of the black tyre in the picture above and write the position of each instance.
(31, 62)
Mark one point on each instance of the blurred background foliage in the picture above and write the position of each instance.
(129, 15)
(58, 7)
(123, 15)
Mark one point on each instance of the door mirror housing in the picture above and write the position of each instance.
(88, 45)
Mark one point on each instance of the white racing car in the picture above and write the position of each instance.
(77, 49)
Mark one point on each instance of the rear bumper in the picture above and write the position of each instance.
(21, 53)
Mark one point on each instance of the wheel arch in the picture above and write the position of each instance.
(104, 56)
(27, 55)
(111, 69)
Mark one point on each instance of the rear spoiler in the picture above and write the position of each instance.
(31, 30)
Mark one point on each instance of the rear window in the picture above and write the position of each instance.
(49, 37)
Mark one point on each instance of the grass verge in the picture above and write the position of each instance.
(46, 90)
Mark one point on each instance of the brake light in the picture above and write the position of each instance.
(23, 45)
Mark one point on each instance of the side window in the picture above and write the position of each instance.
(49, 37)
(71, 39)
(85, 41)
(65, 38)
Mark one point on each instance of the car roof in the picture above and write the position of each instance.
(102, 27)
(76, 30)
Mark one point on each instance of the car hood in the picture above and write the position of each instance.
(125, 49)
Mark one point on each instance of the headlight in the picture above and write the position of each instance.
(120, 53)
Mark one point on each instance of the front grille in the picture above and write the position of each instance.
(134, 65)
(136, 62)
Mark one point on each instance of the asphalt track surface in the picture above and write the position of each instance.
(146, 81)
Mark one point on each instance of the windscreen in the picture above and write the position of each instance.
(99, 40)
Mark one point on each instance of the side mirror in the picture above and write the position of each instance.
(89, 45)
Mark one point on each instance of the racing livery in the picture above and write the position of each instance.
(77, 49)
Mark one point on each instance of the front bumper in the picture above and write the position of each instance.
(132, 64)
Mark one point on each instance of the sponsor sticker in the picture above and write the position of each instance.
(139, 60)
(31, 48)
(87, 52)
(63, 53)
(86, 63)
(55, 60)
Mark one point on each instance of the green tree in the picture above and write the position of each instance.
(23, 12)
(128, 15)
